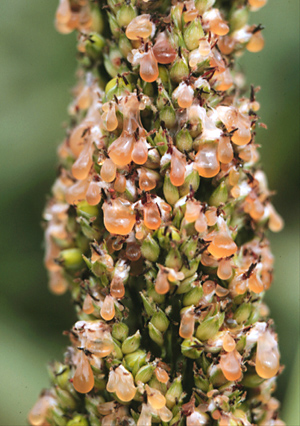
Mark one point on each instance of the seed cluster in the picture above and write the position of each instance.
(157, 222)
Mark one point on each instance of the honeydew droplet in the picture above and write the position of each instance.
(110, 118)
(155, 398)
(117, 289)
(93, 195)
(211, 216)
(226, 45)
(83, 380)
(256, 43)
(38, 413)
(267, 356)
(118, 216)
(83, 100)
(148, 67)
(222, 245)
(161, 375)
(208, 287)
(113, 381)
(163, 50)
(121, 149)
(257, 3)
(187, 324)
(57, 283)
(146, 182)
(242, 136)
(225, 151)
(107, 311)
(224, 270)
(152, 217)
(162, 285)
(204, 48)
(82, 166)
(228, 343)
(126, 390)
(139, 27)
(192, 211)
(230, 364)
(275, 220)
(185, 96)
(255, 284)
(76, 140)
(120, 183)
(63, 12)
(178, 165)
(206, 162)
(145, 418)
(140, 151)
(219, 27)
(133, 252)
(88, 307)
(108, 170)
(201, 223)
(76, 192)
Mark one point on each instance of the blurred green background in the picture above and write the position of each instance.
(37, 73)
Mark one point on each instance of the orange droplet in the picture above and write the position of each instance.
(139, 27)
(63, 12)
(228, 343)
(83, 380)
(230, 364)
(257, 3)
(76, 192)
(206, 162)
(204, 48)
(81, 167)
(187, 324)
(88, 307)
(208, 287)
(118, 216)
(117, 289)
(152, 217)
(161, 375)
(162, 285)
(178, 164)
(120, 183)
(222, 245)
(149, 67)
(185, 95)
(211, 216)
(267, 356)
(256, 43)
(93, 195)
(201, 223)
(275, 220)
(121, 149)
(226, 45)
(38, 413)
(110, 117)
(224, 271)
(108, 308)
(133, 252)
(57, 283)
(192, 211)
(147, 182)
(108, 170)
(155, 398)
(140, 151)
(225, 151)
(242, 136)
(255, 283)
(163, 50)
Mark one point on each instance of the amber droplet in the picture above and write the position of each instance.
(256, 43)
(161, 375)
(206, 162)
(187, 324)
(208, 287)
(152, 217)
(201, 223)
(133, 252)
(230, 364)
(192, 211)
(228, 343)
(120, 183)
(149, 67)
(93, 195)
(225, 151)
(117, 289)
(118, 216)
(155, 398)
(108, 170)
(38, 413)
(162, 285)
(267, 356)
(242, 136)
(224, 271)
(83, 380)
(163, 50)
(211, 216)
(88, 307)
(57, 283)
(82, 165)
(121, 149)
(140, 151)
(178, 164)
(222, 245)
(255, 284)
(139, 27)
(146, 180)
(108, 308)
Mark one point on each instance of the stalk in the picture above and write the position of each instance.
(157, 222)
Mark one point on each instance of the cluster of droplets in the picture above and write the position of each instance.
(127, 224)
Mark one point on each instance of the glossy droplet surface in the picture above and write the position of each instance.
(117, 289)
(76, 192)
(108, 308)
(120, 150)
(242, 136)
(88, 307)
(82, 165)
(83, 380)
(224, 271)
(93, 195)
(201, 223)
(152, 217)
(120, 183)
(108, 170)
(155, 398)
(222, 245)
(118, 216)
(255, 284)
(256, 43)
(162, 285)
(185, 96)
(225, 151)
(228, 343)
(38, 413)
(163, 50)
(161, 375)
(267, 356)
(140, 151)
(206, 162)
(187, 324)
(146, 181)
(178, 164)
(139, 27)
(149, 67)
(230, 364)
(192, 211)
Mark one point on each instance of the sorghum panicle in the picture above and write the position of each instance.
(157, 222)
